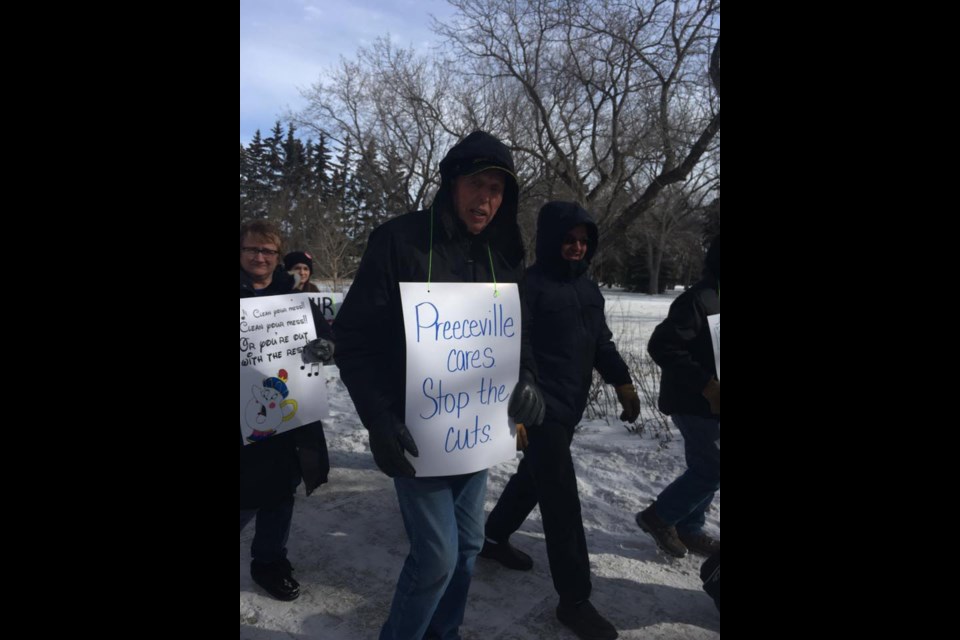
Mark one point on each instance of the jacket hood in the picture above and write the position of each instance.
(554, 221)
(479, 151)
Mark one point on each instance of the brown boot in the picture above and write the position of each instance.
(700, 543)
(665, 534)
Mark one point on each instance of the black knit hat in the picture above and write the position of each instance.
(294, 258)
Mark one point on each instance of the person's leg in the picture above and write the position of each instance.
(428, 510)
(559, 498)
(684, 502)
(516, 502)
(270, 568)
(556, 485)
(272, 531)
(469, 492)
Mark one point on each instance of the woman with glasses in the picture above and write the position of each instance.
(271, 469)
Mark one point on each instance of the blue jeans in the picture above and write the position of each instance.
(272, 530)
(685, 500)
(443, 517)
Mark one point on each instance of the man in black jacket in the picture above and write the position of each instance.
(270, 470)
(469, 234)
(570, 339)
(690, 395)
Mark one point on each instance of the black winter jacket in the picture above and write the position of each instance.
(681, 345)
(371, 347)
(570, 333)
(271, 470)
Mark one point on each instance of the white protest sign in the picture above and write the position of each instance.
(714, 324)
(463, 360)
(277, 391)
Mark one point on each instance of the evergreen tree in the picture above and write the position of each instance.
(273, 160)
(319, 168)
(253, 180)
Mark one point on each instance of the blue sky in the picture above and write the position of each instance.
(286, 45)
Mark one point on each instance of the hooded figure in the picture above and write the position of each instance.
(682, 345)
(431, 245)
(570, 340)
(690, 394)
(468, 234)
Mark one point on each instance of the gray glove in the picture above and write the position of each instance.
(526, 401)
(319, 350)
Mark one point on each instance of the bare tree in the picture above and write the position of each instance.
(617, 93)
(403, 101)
(334, 257)
(605, 102)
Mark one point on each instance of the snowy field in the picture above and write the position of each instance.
(348, 543)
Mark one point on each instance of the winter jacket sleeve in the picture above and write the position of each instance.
(527, 359)
(607, 360)
(364, 353)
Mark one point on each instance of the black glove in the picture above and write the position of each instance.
(319, 350)
(388, 444)
(526, 401)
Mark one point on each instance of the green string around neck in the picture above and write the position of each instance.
(492, 272)
(430, 257)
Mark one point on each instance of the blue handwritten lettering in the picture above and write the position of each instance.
(496, 326)
(443, 402)
(491, 393)
(458, 360)
(459, 439)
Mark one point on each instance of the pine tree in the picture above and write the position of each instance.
(254, 191)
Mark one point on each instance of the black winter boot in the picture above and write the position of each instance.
(507, 555)
(276, 579)
(585, 621)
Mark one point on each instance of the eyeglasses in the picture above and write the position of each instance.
(573, 240)
(266, 253)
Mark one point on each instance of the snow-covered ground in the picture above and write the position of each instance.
(348, 543)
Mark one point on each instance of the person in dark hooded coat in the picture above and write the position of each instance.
(690, 394)
(570, 340)
(469, 234)
(271, 469)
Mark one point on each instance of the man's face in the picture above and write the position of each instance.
(573, 247)
(258, 264)
(477, 198)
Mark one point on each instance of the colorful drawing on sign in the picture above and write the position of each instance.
(265, 411)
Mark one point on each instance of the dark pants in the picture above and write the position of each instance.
(685, 501)
(546, 476)
(272, 530)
